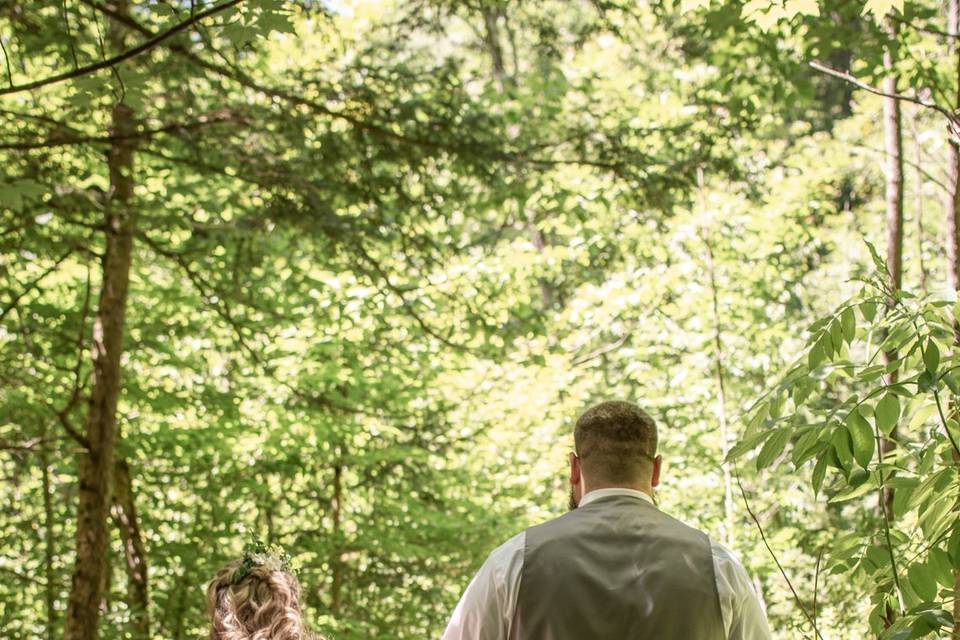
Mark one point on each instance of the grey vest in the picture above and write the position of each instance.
(617, 569)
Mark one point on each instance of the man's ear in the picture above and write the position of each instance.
(655, 478)
(575, 471)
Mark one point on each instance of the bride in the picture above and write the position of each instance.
(257, 597)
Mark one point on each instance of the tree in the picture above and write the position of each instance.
(100, 434)
(383, 254)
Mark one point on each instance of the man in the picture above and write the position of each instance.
(615, 567)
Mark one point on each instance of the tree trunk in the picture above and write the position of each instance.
(265, 509)
(336, 557)
(918, 199)
(491, 21)
(49, 549)
(134, 551)
(183, 584)
(952, 231)
(728, 525)
(96, 463)
(491, 17)
(952, 203)
(547, 294)
(893, 138)
(893, 143)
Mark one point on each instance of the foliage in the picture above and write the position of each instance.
(829, 417)
(386, 251)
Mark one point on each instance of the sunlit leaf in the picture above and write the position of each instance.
(887, 413)
(773, 447)
(861, 435)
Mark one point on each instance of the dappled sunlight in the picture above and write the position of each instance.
(320, 289)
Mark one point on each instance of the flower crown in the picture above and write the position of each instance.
(257, 554)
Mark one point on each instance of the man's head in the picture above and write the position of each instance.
(615, 446)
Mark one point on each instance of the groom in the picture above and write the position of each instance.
(615, 567)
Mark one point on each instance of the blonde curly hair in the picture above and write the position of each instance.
(261, 604)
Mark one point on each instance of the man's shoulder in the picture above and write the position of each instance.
(723, 556)
(511, 546)
(505, 559)
(728, 564)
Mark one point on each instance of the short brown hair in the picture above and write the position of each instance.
(616, 442)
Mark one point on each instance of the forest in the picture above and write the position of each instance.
(341, 274)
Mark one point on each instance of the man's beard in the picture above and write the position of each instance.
(573, 500)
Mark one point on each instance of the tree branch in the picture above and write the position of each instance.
(295, 97)
(30, 445)
(33, 285)
(22, 576)
(430, 331)
(603, 350)
(773, 555)
(126, 55)
(843, 75)
(923, 28)
(6, 59)
(220, 117)
(287, 96)
(210, 295)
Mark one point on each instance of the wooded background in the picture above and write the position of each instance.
(342, 274)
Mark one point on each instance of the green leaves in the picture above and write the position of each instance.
(848, 320)
(278, 21)
(860, 484)
(830, 335)
(920, 473)
(887, 413)
(921, 416)
(692, 5)
(931, 357)
(15, 194)
(861, 436)
(880, 8)
(748, 443)
(923, 581)
(842, 447)
(816, 355)
(819, 472)
(773, 447)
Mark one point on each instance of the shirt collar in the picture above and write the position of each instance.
(596, 494)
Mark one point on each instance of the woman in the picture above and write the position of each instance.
(257, 598)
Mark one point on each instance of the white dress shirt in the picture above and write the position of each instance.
(485, 611)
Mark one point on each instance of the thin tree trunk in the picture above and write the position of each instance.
(893, 143)
(893, 138)
(918, 195)
(491, 17)
(952, 232)
(336, 557)
(265, 509)
(97, 461)
(491, 21)
(547, 294)
(107, 585)
(49, 549)
(183, 584)
(181, 607)
(952, 203)
(268, 518)
(721, 401)
(134, 551)
(728, 520)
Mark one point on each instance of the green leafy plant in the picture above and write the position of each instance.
(868, 412)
